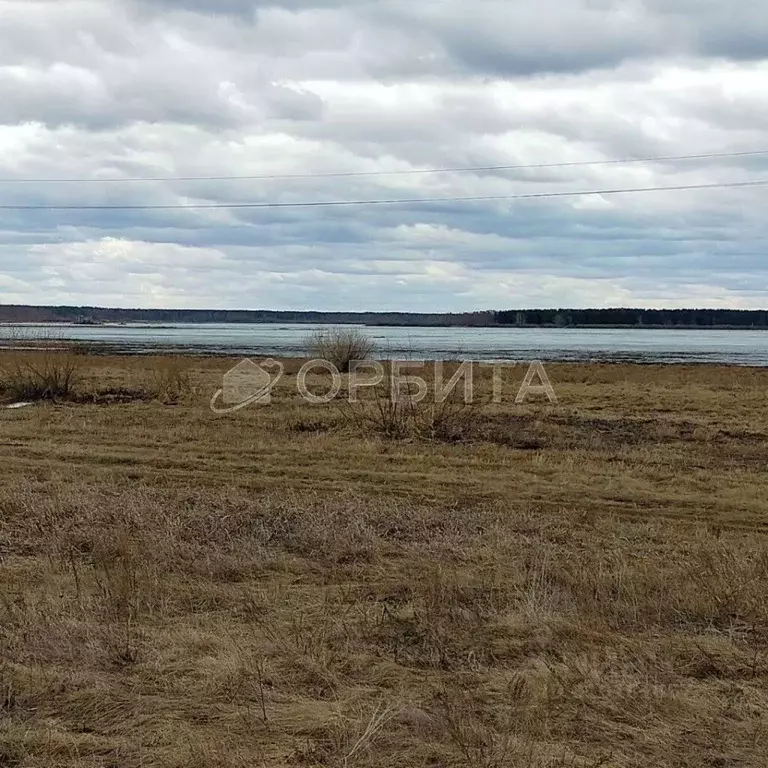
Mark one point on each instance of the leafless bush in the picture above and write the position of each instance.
(340, 346)
(396, 412)
(45, 374)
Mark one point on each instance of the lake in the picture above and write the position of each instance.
(740, 347)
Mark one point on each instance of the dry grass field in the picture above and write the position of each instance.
(580, 584)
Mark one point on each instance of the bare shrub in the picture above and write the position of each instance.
(397, 413)
(340, 346)
(45, 374)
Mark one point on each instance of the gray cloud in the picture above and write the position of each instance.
(116, 89)
(495, 37)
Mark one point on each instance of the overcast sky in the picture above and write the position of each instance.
(120, 89)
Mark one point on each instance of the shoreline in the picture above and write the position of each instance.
(160, 325)
(104, 351)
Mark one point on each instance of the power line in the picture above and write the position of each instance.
(414, 172)
(361, 203)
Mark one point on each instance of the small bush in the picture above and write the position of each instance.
(43, 375)
(340, 346)
(399, 415)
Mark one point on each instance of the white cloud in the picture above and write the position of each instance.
(129, 88)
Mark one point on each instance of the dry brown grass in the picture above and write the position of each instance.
(579, 585)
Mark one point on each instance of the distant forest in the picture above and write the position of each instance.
(522, 318)
(636, 318)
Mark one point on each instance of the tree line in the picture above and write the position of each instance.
(562, 318)
(638, 318)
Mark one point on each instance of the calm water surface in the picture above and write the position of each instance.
(741, 347)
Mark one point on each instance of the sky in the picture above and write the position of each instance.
(113, 90)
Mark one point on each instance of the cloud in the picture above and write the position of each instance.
(118, 89)
(495, 37)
